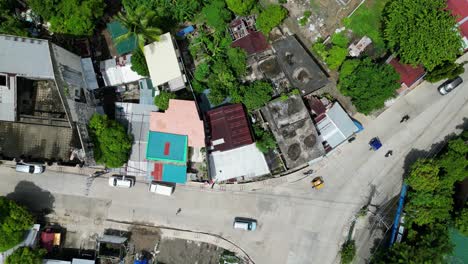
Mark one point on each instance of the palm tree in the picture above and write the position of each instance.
(140, 24)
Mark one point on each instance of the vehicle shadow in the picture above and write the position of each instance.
(39, 202)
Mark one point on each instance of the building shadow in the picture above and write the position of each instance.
(39, 202)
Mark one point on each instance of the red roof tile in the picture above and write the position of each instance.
(252, 43)
(408, 74)
(229, 124)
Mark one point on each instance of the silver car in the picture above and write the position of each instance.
(30, 168)
(449, 85)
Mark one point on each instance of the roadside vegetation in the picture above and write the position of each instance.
(112, 144)
(347, 252)
(27, 255)
(429, 208)
(15, 220)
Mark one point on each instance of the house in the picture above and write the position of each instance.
(246, 36)
(165, 64)
(181, 118)
(294, 131)
(300, 67)
(459, 9)
(332, 122)
(118, 71)
(136, 118)
(232, 151)
(116, 30)
(410, 76)
(173, 135)
(45, 102)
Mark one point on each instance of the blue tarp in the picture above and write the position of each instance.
(185, 31)
(140, 261)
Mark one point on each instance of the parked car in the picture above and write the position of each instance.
(449, 85)
(246, 224)
(30, 168)
(121, 181)
(161, 188)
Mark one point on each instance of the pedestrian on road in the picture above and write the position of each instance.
(389, 153)
(404, 118)
(178, 211)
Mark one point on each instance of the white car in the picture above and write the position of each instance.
(30, 168)
(161, 188)
(121, 181)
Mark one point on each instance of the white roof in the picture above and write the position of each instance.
(114, 74)
(337, 126)
(8, 99)
(54, 261)
(89, 74)
(245, 161)
(82, 261)
(26, 57)
(162, 61)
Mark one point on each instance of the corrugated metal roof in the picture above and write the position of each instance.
(167, 147)
(116, 30)
(82, 261)
(337, 126)
(8, 99)
(25, 56)
(408, 74)
(162, 60)
(167, 172)
(89, 74)
(229, 127)
(114, 74)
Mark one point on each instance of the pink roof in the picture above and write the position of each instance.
(180, 118)
(408, 74)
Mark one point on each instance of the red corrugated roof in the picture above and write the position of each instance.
(230, 124)
(157, 172)
(408, 74)
(252, 43)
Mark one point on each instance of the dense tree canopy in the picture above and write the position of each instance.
(162, 100)
(216, 15)
(14, 221)
(112, 145)
(168, 11)
(241, 7)
(141, 24)
(26, 255)
(256, 94)
(368, 84)
(139, 63)
(74, 17)
(271, 17)
(421, 32)
(9, 21)
(461, 221)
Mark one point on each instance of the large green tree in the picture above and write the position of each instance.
(241, 7)
(368, 84)
(26, 255)
(141, 25)
(447, 70)
(139, 63)
(10, 23)
(112, 144)
(74, 17)
(271, 17)
(14, 221)
(422, 32)
(216, 15)
(256, 94)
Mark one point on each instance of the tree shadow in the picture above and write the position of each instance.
(39, 202)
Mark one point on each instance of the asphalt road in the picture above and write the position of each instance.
(296, 223)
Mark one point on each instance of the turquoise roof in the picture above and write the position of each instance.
(116, 29)
(174, 173)
(167, 147)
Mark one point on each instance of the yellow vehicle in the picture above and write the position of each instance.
(317, 183)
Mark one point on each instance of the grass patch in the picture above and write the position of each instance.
(367, 21)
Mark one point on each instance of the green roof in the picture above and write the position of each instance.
(116, 30)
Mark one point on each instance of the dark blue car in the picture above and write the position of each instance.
(375, 143)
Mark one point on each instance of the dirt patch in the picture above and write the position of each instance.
(175, 251)
(145, 238)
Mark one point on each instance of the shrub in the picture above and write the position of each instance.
(336, 56)
(271, 17)
(340, 40)
(139, 63)
(348, 251)
(320, 49)
(162, 100)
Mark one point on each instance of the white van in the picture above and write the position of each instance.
(246, 224)
(161, 188)
(121, 181)
(30, 168)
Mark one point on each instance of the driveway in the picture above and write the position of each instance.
(296, 224)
